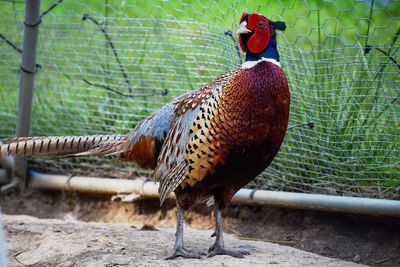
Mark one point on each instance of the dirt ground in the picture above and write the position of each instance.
(118, 240)
(49, 242)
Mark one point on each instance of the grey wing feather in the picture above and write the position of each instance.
(156, 125)
(171, 166)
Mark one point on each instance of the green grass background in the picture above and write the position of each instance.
(352, 97)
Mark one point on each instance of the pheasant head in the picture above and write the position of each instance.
(257, 36)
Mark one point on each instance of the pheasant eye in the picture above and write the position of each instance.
(260, 24)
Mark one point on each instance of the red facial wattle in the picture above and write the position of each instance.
(260, 37)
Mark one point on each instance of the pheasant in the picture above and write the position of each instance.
(207, 144)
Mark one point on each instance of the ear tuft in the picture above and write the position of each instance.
(279, 25)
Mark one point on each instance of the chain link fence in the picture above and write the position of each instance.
(103, 66)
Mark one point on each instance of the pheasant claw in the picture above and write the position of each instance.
(184, 253)
(217, 250)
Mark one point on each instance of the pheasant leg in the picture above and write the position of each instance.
(179, 250)
(218, 247)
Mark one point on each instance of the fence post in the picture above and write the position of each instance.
(28, 68)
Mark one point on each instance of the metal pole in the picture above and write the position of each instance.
(357, 205)
(149, 189)
(28, 68)
(93, 185)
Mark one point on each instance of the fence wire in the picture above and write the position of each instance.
(106, 65)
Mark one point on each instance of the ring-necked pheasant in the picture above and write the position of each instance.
(208, 143)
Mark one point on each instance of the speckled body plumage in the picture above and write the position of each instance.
(248, 124)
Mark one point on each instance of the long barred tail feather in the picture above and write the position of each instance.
(93, 145)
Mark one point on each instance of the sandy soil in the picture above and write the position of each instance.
(50, 242)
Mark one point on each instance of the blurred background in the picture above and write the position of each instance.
(103, 66)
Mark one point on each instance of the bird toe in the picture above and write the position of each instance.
(217, 250)
(185, 253)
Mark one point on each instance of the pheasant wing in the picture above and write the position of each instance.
(195, 145)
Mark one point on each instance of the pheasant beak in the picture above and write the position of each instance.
(242, 29)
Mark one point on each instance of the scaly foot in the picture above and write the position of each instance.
(184, 253)
(218, 250)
